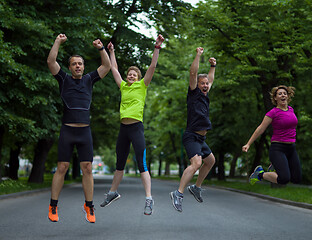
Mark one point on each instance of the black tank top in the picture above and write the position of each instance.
(76, 95)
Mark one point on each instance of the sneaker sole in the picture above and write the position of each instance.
(190, 190)
(86, 215)
(172, 200)
(148, 214)
(116, 198)
(53, 220)
(252, 181)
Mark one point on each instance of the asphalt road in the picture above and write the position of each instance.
(222, 215)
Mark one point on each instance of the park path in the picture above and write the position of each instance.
(222, 215)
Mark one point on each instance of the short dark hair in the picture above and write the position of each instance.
(75, 56)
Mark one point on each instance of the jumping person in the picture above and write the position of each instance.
(198, 124)
(133, 93)
(282, 152)
(76, 94)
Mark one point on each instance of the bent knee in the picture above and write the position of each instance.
(210, 160)
(196, 161)
(283, 180)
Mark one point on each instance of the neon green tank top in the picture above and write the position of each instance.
(132, 100)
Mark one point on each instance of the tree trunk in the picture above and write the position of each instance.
(179, 159)
(41, 152)
(160, 163)
(221, 174)
(1, 143)
(167, 169)
(233, 166)
(14, 161)
(185, 163)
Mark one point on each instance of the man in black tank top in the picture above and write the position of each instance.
(76, 94)
(194, 136)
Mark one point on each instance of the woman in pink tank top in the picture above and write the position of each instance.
(285, 165)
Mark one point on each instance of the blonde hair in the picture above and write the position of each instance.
(136, 69)
(290, 92)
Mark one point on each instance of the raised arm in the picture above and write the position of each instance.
(54, 67)
(151, 69)
(194, 68)
(211, 72)
(114, 66)
(259, 130)
(105, 62)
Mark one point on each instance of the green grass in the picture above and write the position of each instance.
(290, 192)
(21, 185)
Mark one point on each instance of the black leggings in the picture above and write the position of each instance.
(132, 133)
(79, 136)
(286, 162)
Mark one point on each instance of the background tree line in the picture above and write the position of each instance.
(258, 44)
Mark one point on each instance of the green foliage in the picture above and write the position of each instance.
(259, 44)
(165, 112)
(27, 96)
(30, 104)
(304, 146)
(108, 156)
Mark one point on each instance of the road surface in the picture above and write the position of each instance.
(222, 215)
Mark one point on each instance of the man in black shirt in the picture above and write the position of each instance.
(198, 124)
(76, 94)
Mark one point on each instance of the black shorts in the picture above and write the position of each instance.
(75, 136)
(195, 144)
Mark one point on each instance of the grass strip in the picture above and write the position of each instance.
(290, 192)
(13, 186)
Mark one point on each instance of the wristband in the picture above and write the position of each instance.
(213, 65)
(158, 47)
(102, 48)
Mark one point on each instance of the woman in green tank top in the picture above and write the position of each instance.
(133, 93)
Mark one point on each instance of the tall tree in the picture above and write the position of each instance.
(30, 104)
(263, 44)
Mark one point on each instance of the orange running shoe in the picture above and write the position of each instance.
(53, 215)
(89, 211)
